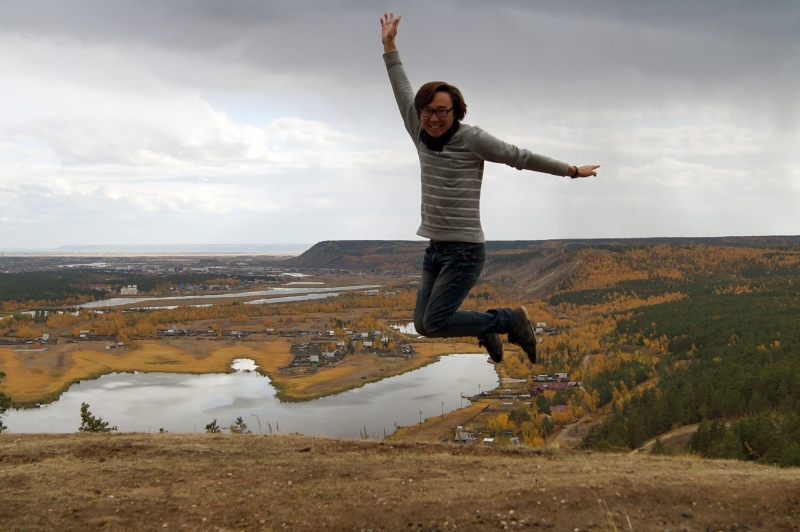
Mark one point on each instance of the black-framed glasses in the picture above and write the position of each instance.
(441, 113)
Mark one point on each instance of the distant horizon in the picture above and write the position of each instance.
(165, 248)
(294, 248)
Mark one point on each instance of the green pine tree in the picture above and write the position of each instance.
(239, 427)
(89, 423)
(5, 403)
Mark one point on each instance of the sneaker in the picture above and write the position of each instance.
(523, 334)
(493, 345)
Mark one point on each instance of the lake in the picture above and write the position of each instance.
(145, 402)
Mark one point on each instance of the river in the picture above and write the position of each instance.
(147, 402)
(117, 301)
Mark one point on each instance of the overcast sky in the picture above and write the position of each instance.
(259, 121)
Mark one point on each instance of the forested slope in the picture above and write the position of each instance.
(728, 357)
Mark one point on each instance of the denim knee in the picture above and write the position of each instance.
(419, 326)
(434, 328)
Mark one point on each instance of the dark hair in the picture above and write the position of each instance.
(426, 93)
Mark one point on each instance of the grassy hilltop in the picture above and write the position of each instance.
(227, 482)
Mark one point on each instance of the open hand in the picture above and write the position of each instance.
(389, 31)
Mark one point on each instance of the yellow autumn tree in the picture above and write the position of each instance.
(26, 332)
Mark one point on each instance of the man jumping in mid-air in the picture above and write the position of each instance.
(451, 156)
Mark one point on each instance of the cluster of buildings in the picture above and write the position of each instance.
(312, 354)
(557, 381)
(175, 332)
(465, 436)
(130, 290)
(318, 351)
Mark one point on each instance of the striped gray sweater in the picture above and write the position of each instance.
(451, 180)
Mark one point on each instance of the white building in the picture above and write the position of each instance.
(130, 290)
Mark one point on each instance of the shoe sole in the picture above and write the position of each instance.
(532, 359)
(483, 343)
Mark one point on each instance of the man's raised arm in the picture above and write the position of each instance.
(389, 31)
(403, 93)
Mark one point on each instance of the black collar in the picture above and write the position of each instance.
(438, 143)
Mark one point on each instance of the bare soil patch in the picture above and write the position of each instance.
(228, 482)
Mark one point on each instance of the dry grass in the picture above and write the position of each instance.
(227, 482)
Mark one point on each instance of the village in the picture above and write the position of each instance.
(312, 345)
(322, 349)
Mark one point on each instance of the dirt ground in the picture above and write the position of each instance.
(230, 482)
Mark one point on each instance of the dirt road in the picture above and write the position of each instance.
(227, 482)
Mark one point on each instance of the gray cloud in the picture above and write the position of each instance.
(278, 115)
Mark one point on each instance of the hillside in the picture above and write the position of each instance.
(384, 255)
(406, 255)
(226, 482)
(535, 268)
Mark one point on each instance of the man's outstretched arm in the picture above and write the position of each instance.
(582, 171)
(494, 150)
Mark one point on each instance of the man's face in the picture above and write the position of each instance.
(434, 125)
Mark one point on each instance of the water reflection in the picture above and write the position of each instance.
(243, 364)
(186, 403)
(408, 328)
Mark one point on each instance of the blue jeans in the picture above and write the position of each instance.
(449, 271)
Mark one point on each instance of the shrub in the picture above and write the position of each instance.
(239, 427)
(89, 423)
(212, 428)
(5, 402)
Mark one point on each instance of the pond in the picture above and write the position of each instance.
(147, 402)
